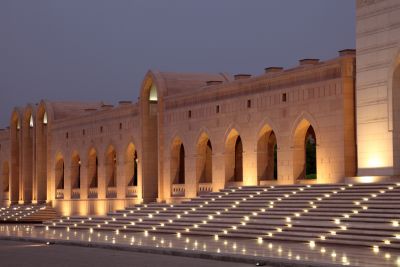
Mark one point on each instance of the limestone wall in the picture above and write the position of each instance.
(378, 119)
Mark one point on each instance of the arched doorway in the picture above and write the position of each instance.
(396, 113)
(75, 175)
(204, 165)
(267, 155)
(131, 170)
(111, 172)
(93, 168)
(59, 176)
(41, 154)
(27, 156)
(234, 159)
(177, 167)
(15, 157)
(305, 151)
(150, 107)
(6, 180)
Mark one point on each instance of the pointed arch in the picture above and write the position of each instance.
(75, 171)
(267, 154)
(59, 171)
(177, 161)
(131, 165)
(44, 118)
(305, 150)
(204, 163)
(28, 153)
(15, 138)
(5, 175)
(93, 168)
(111, 167)
(233, 157)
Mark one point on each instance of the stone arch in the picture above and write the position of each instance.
(15, 138)
(131, 165)
(93, 169)
(177, 164)
(43, 121)
(305, 140)
(151, 102)
(59, 171)
(111, 166)
(204, 162)
(6, 179)
(233, 157)
(394, 108)
(27, 154)
(267, 154)
(75, 171)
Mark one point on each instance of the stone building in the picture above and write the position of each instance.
(193, 133)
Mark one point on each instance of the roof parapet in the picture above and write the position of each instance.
(273, 70)
(347, 52)
(242, 76)
(308, 61)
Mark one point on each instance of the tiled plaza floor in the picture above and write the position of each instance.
(199, 246)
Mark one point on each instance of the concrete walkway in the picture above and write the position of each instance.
(25, 254)
(239, 250)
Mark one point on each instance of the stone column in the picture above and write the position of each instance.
(190, 176)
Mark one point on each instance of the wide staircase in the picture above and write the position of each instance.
(346, 214)
(35, 213)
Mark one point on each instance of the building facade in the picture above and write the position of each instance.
(193, 133)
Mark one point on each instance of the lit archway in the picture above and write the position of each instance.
(267, 155)
(178, 163)
(59, 172)
(15, 130)
(93, 168)
(111, 167)
(6, 180)
(131, 166)
(305, 151)
(42, 124)
(75, 171)
(233, 158)
(204, 164)
(151, 138)
(27, 155)
(396, 112)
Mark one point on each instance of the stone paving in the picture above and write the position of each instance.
(237, 250)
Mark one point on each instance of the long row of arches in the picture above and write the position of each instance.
(304, 158)
(28, 162)
(112, 171)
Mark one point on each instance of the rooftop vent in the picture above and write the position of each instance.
(308, 61)
(242, 76)
(346, 52)
(273, 70)
(213, 82)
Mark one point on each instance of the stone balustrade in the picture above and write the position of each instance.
(131, 191)
(93, 192)
(76, 193)
(204, 188)
(178, 190)
(60, 193)
(111, 192)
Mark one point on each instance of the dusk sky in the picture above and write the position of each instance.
(90, 50)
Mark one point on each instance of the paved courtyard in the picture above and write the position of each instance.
(127, 249)
(21, 254)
